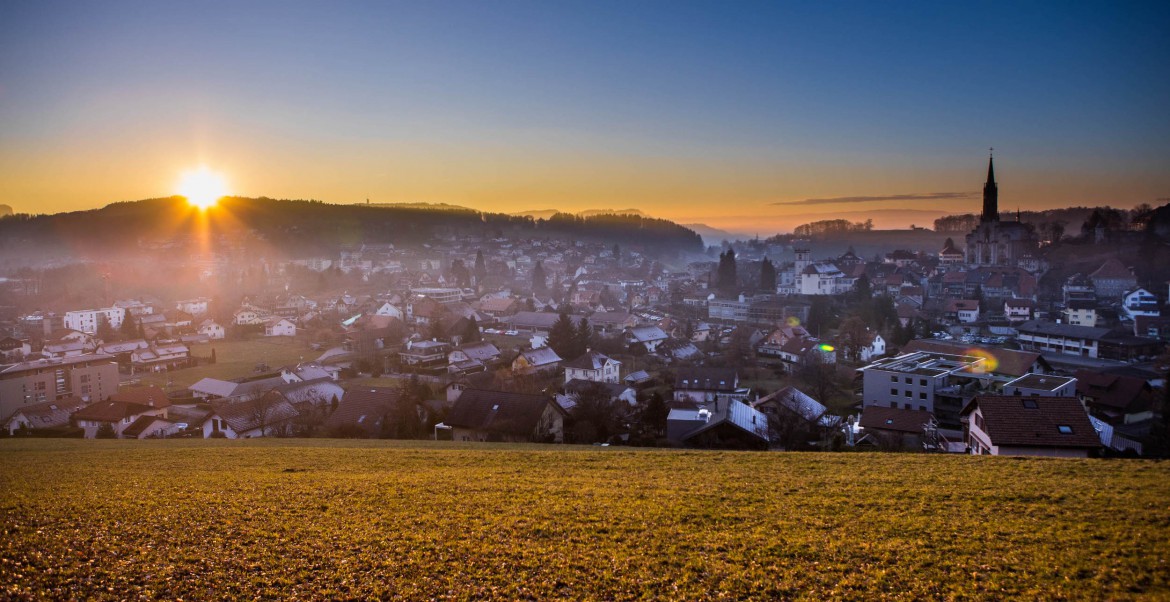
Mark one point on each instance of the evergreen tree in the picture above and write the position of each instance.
(583, 338)
(617, 252)
(471, 333)
(727, 281)
(767, 276)
(562, 335)
(539, 279)
(436, 328)
(212, 355)
(480, 268)
(863, 288)
(129, 327)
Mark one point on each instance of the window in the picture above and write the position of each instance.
(922, 382)
(908, 393)
(893, 391)
(1031, 404)
(893, 379)
(922, 395)
(1064, 429)
(909, 380)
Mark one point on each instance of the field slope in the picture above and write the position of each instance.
(328, 519)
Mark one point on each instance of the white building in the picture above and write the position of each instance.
(593, 366)
(1140, 302)
(89, 320)
(195, 307)
(211, 329)
(279, 327)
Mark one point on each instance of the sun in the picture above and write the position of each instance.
(202, 187)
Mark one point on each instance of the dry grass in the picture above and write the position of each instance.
(318, 519)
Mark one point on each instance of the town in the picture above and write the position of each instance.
(986, 345)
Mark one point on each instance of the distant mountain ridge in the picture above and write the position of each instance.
(299, 228)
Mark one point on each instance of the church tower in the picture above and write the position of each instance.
(990, 195)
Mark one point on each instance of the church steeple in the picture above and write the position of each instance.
(990, 195)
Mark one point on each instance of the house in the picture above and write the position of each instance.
(726, 424)
(593, 366)
(606, 322)
(159, 357)
(874, 346)
(499, 307)
(149, 427)
(388, 309)
(534, 361)
(1112, 279)
(122, 410)
(472, 357)
(424, 354)
(13, 349)
(896, 428)
(90, 320)
(795, 419)
(214, 388)
(1114, 398)
(1080, 312)
(487, 415)
(647, 336)
(279, 327)
(267, 415)
(1018, 310)
(211, 329)
(248, 316)
(1140, 302)
(44, 415)
(1154, 327)
(1041, 385)
(196, 307)
(363, 412)
(1085, 341)
(1029, 426)
(964, 311)
(705, 384)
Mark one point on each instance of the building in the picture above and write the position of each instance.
(212, 330)
(593, 366)
(424, 354)
(1018, 310)
(1112, 279)
(1029, 426)
(914, 381)
(895, 428)
(486, 415)
(46, 415)
(195, 307)
(1080, 312)
(265, 416)
(1042, 385)
(996, 243)
(533, 361)
(1140, 302)
(279, 327)
(90, 377)
(705, 384)
(90, 320)
(727, 424)
(1086, 341)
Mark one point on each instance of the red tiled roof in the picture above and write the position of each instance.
(151, 396)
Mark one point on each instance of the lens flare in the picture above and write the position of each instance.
(202, 187)
(989, 364)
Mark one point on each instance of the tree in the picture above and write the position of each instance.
(106, 431)
(129, 327)
(582, 339)
(562, 336)
(820, 315)
(212, 361)
(480, 268)
(727, 281)
(596, 417)
(459, 273)
(652, 417)
(437, 328)
(404, 420)
(106, 333)
(539, 279)
(852, 336)
(471, 333)
(767, 276)
(688, 330)
(862, 288)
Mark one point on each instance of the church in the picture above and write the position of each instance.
(997, 243)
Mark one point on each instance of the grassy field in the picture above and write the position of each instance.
(311, 519)
(234, 359)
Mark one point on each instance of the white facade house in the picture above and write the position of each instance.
(211, 329)
(388, 309)
(89, 320)
(195, 307)
(1140, 302)
(593, 366)
(823, 278)
(247, 316)
(280, 327)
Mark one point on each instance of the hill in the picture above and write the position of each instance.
(328, 519)
(301, 228)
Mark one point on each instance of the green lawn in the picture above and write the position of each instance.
(316, 519)
(234, 359)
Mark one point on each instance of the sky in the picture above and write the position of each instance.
(752, 117)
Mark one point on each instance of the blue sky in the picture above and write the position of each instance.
(672, 107)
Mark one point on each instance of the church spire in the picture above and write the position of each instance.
(990, 194)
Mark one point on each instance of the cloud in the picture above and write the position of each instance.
(929, 196)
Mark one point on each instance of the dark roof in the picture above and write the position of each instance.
(589, 361)
(706, 379)
(111, 411)
(140, 425)
(48, 414)
(1114, 391)
(246, 415)
(515, 414)
(151, 396)
(1113, 269)
(894, 419)
(1034, 421)
(364, 408)
(577, 385)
